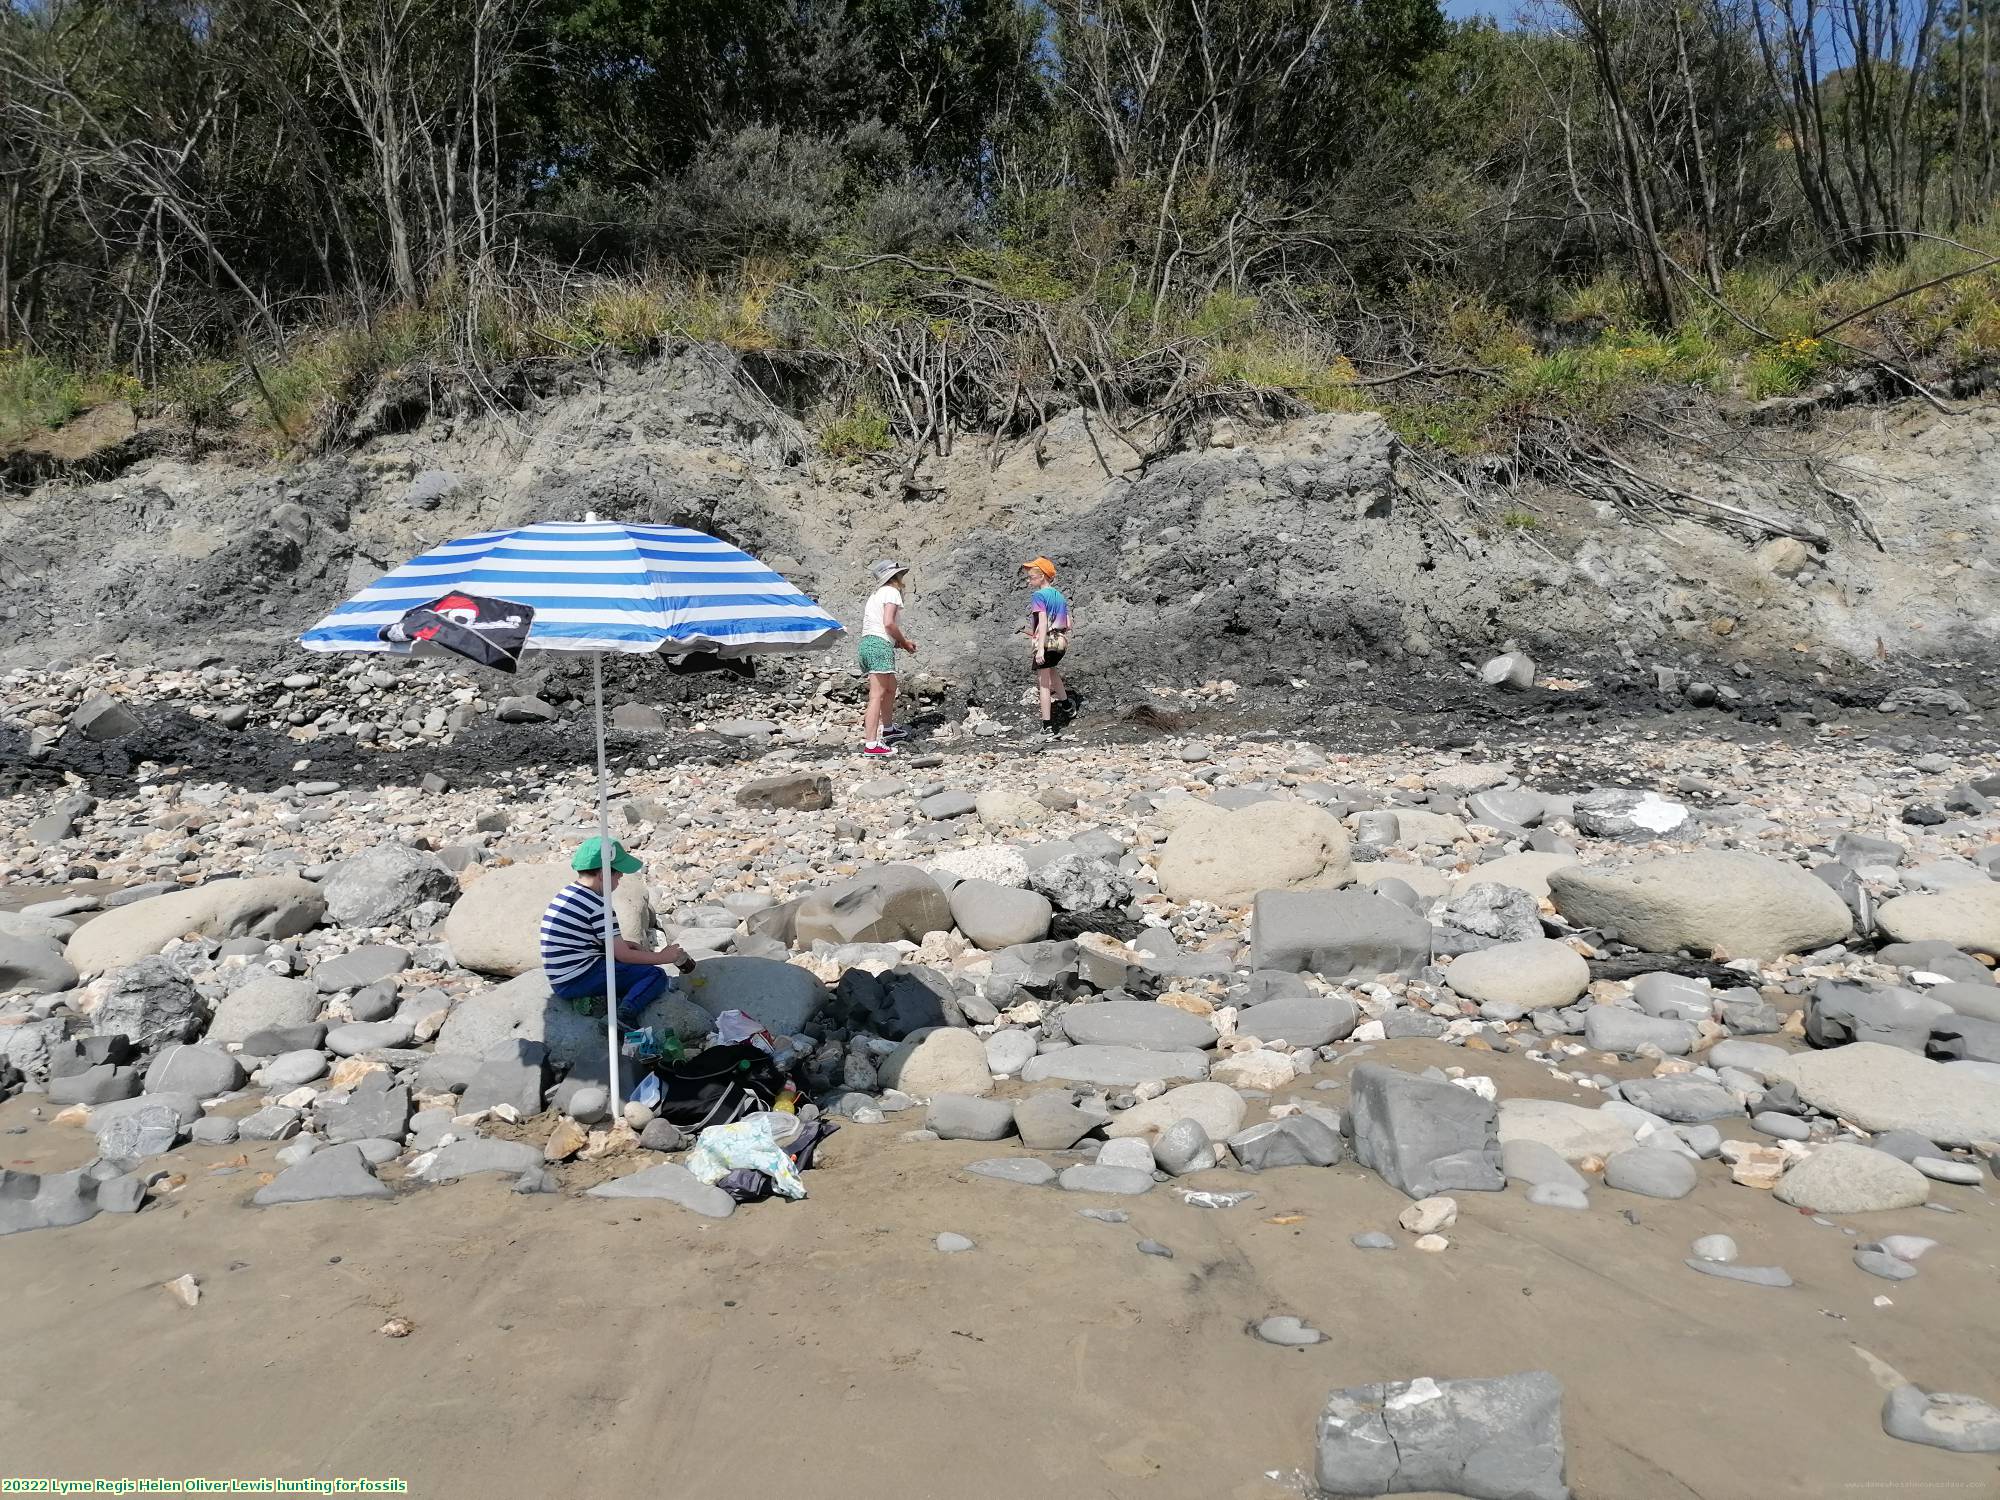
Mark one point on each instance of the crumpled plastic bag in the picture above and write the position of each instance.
(737, 1026)
(747, 1144)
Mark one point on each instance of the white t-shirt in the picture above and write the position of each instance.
(875, 618)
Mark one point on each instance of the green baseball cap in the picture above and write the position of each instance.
(589, 858)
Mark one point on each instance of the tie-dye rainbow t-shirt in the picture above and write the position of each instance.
(1048, 600)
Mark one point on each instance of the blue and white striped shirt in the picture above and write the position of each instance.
(573, 933)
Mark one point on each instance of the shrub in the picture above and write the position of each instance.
(862, 430)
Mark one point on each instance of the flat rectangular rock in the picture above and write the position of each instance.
(1115, 1067)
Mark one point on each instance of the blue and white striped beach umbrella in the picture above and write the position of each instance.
(597, 586)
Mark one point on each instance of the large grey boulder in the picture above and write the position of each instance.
(964, 1117)
(1217, 1107)
(1685, 1099)
(151, 1003)
(1651, 1171)
(1527, 871)
(1841, 1013)
(1227, 858)
(267, 1002)
(1852, 1179)
(1570, 1130)
(1489, 910)
(994, 917)
(1624, 813)
(270, 906)
(1295, 1141)
(1710, 901)
(513, 1072)
(100, 1083)
(783, 996)
(201, 1071)
(1886, 1088)
(1050, 1121)
(1967, 917)
(1532, 974)
(1184, 1147)
(370, 1114)
(33, 964)
(1613, 1028)
(366, 965)
(149, 1125)
(470, 1157)
(1496, 1439)
(379, 885)
(1080, 882)
(949, 1060)
(102, 717)
(1114, 1067)
(339, 1171)
(1090, 1178)
(886, 905)
(797, 791)
(672, 1183)
(522, 1009)
(495, 926)
(1341, 935)
(1299, 1020)
(1423, 1137)
(1942, 1419)
(51, 1200)
(1137, 1023)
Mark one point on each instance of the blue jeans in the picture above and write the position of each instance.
(639, 985)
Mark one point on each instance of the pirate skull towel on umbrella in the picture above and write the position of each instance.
(488, 632)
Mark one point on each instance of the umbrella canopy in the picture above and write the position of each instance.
(597, 586)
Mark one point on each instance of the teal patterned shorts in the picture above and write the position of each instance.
(877, 655)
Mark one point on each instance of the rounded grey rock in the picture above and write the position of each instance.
(1651, 1172)
(952, 1244)
(1183, 1147)
(1716, 1247)
(1879, 1263)
(1021, 1169)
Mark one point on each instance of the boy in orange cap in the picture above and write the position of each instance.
(1048, 634)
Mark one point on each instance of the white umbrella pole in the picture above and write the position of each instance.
(605, 873)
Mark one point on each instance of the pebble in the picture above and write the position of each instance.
(1716, 1247)
(1372, 1239)
(1287, 1332)
(1910, 1247)
(952, 1244)
(1154, 1247)
(1104, 1215)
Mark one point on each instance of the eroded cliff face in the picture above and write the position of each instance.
(1272, 558)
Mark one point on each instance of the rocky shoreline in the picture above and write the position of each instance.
(1129, 962)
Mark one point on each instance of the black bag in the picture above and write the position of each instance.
(718, 1087)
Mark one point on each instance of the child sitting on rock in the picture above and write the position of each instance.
(573, 942)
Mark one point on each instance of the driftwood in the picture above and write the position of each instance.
(1632, 965)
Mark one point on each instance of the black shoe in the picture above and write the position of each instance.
(1049, 728)
(1064, 711)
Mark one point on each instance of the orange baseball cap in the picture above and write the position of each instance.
(1043, 564)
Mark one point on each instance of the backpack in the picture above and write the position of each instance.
(718, 1087)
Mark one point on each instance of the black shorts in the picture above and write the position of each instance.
(1050, 657)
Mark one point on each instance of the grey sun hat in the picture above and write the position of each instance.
(887, 568)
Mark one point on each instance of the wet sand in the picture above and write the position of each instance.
(569, 1345)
